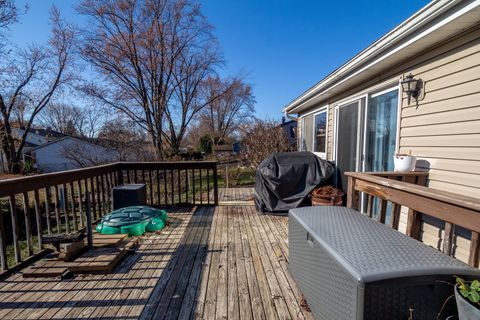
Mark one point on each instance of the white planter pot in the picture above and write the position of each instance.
(404, 163)
(466, 311)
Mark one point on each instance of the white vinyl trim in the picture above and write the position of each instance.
(322, 155)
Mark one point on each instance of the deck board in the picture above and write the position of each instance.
(225, 262)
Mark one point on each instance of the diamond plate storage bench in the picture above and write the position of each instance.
(349, 266)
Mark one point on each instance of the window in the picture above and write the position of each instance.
(320, 133)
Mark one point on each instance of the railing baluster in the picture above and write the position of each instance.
(193, 185)
(99, 200)
(3, 244)
(151, 186)
(369, 205)
(128, 176)
(179, 186)
(47, 209)
(448, 239)
(208, 186)
(108, 192)
(159, 201)
(395, 216)
(74, 212)
(165, 185)
(201, 187)
(65, 207)
(28, 223)
(102, 200)
(383, 211)
(172, 187)
(135, 178)
(57, 210)
(38, 217)
(15, 231)
(474, 247)
(93, 202)
(215, 185)
(80, 204)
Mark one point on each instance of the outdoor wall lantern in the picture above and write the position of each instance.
(411, 87)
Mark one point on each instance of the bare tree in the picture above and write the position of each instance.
(234, 106)
(30, 78)
(126, 138)
(84, 122)
(192, 71)
(62, 118)
(262, 138)
(138, 49)
(86, 154)
(8, 13)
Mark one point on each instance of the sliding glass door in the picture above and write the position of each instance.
(381, 131)
(366, 133)
(347, 139)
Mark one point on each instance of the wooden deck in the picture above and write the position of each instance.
(225, 262)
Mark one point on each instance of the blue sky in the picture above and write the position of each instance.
(283, 46)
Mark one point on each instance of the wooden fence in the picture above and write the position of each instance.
(55, 202)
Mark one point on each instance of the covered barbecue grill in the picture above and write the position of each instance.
(284, 180)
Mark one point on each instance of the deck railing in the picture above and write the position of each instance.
(55, 202)
(451, 208)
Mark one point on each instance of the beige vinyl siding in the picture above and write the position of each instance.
(443, 129)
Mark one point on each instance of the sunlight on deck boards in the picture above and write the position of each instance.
(211, 262)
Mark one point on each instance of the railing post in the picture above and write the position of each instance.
(215, 184)
(351, 192)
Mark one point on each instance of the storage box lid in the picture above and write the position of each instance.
(371, 251)
(133, 186)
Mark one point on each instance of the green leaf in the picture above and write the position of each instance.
(464, 292)
(475, 285)
(474, 296)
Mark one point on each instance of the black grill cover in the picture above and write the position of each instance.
(284, 180)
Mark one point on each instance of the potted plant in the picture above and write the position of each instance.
(467, 295)
(404, 162)
(327, 196)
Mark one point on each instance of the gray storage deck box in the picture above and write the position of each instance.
(129, 195)
(349, 266)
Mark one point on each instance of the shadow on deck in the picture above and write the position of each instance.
(211, 262)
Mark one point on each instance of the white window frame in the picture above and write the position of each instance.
(322, 155)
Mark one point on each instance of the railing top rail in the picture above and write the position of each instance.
(22, 184)
(427, 192)
(169, 165)
(398, 174)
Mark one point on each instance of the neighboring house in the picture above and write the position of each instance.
(68, 153)
(35, 138)
(290, 128)
(359, 116)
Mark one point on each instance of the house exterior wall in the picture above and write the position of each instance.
(443, 130)
(51, 157)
